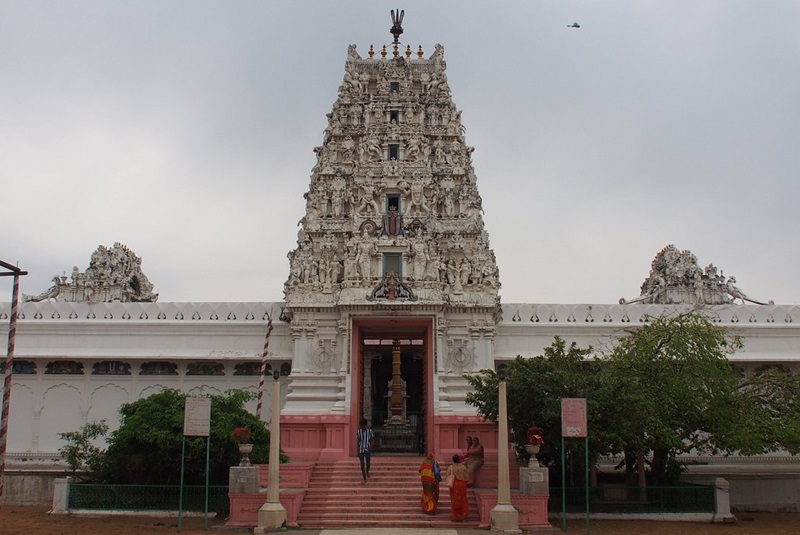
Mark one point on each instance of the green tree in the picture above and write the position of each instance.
(665, 388)
(535, 387)
(674, 385)
(146, 449)
(81, 452)
(770, 404)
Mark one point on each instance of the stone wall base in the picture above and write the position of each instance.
(244, 507)
(532, 508)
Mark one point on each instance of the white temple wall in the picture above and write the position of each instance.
(23, 419)
(44, 404)
(769, 333)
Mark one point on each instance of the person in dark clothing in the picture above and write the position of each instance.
(364, 440)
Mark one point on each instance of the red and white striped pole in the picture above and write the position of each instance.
(263, 368)
(12, 331)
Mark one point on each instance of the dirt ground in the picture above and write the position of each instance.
(29, 520)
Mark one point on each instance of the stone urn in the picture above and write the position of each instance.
(245, 450)
(532, 450)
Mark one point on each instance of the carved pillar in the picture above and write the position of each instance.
(482, 334)
(303, 333)
(344, 360)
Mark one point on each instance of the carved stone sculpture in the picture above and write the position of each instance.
(114, 274)
(417, 202)
(676, 278)
(367, 249)
(420, 258)
(393, 185)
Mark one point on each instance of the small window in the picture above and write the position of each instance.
(392, 202)
(394, 86)
(394, 116)
(394, 152)
(393, 263)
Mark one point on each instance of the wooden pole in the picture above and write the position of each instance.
(9, 363)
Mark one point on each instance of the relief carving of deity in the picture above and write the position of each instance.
(366, 250)
(370, 149)
(412, 149)
(419, 259)
(366, 205)
(337, 197)
(417, 202)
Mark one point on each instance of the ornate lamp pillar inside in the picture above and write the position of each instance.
(272, 514)
(396, 399)
(504, 516)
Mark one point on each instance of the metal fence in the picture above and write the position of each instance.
(148, 497)
(621, 499)
(618, 499)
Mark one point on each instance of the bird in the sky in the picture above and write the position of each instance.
(574, 25)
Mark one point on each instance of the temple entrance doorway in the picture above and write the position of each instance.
(394, 386)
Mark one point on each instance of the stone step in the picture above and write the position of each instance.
(431, 522)
(404, 516)
(336, 497)
(397, 498)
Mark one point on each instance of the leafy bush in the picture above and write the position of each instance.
(146, 449)
(80, 452)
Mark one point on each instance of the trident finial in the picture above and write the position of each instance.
(397, 29)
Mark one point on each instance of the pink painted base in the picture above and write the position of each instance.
(292, 475)
(294, 480)
(532, 509)
(332, 438)
(244, 507)
(316, 437)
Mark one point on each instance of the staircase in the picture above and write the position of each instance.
(337, 498)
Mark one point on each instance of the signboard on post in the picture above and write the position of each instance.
(197, 417)
(196, 423)
(573, 425)
(573, 417)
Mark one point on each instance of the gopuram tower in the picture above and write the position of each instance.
(392, 293)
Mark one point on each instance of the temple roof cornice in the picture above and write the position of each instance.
(738, 316)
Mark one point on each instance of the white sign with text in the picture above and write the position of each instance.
(197, 417)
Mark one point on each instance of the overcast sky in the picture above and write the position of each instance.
(185, 129)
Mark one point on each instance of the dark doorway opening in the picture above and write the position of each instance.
(398, 428)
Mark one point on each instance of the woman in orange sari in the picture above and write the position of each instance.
(459, 508)
(430, 476)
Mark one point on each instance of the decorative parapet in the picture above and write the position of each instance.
(636, 314)
(512, 313)
(62, 311)
(770, 334)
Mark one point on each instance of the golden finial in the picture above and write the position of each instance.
(408, 52)
(371, 52)
(420, 53)
(383, 52)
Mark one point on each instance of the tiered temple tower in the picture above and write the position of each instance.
(393, 290)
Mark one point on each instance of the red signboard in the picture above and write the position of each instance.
(573, 417)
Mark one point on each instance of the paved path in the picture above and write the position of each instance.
(402, 531)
